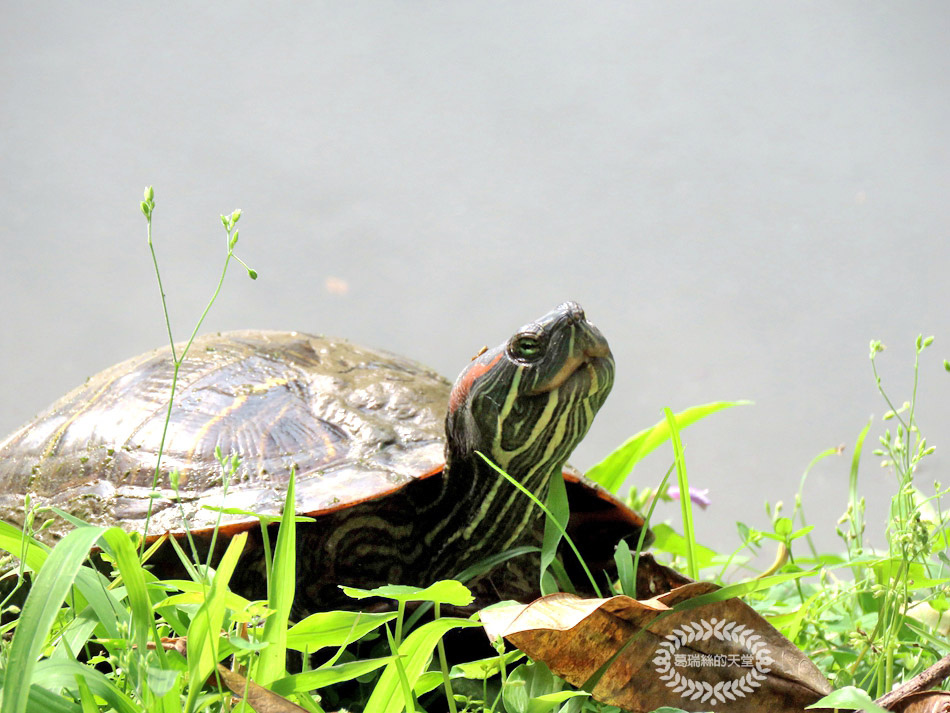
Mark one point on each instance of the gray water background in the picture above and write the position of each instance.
(741, 194)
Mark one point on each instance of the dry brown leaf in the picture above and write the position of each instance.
(654, 579)
(258, 697)
(173, 643)
(924, 702)
(658, 656)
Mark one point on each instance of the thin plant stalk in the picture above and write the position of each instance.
(444, 667)
(230, 223)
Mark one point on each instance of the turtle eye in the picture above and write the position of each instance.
(526, 346)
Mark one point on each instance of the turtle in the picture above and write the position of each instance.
(390, 458)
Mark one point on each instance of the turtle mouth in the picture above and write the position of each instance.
(590, 362)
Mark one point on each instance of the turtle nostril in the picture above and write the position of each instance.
(574, 312)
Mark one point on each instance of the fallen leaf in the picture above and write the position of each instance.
(924, 702)
(643, 655)
(258, 697)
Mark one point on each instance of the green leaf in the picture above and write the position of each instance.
(686, 504)
(740, 589)
(626, 575)
(891, 570)
(122, 553)
(187, 563)
(445, 591)
(77, 632)
(613, 470)
(162, 680)
(194, 593)
(790, 624)
(43, 701)
(547, 701)
(86, 699)
(532, 688)
(666, 539)
(848, 697)
(428, 681)
(14, 541)
(801, 532)
(559, 511)
(333, 628)
(323, 677)
(415, 652)
(264, 519)
(241, 644)
(52, 583)
(140, 604)
(783, 526)
(92, 585)
(59, 675)
(484, 668)
(856, 519)
(486, 564)
(409, 700)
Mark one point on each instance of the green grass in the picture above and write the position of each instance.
(88, 640)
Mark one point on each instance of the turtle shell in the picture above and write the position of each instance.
(353, 423)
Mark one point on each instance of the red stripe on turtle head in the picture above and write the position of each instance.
(464, 383)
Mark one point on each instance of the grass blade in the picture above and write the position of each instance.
(686, 504)
(12, 540)
(626, 575)
(280, 593)
(59, 675)
(857, 519)
(91, 584)
(49, 590)
(43, 701)
(205, 629)
(560, 511)
(322, 677)
(86, 699)
(139, 603)
(613, 470)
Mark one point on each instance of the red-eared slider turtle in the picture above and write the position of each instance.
(398, 497)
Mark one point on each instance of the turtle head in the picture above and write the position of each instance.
(528, 402)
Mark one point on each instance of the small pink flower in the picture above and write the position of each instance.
(700, 496)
